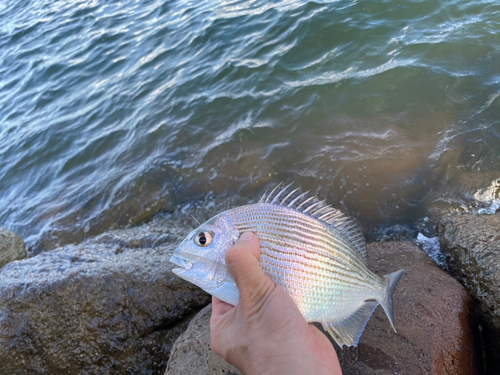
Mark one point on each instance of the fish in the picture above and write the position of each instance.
(313, 250)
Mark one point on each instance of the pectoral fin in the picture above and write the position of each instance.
(348, 331)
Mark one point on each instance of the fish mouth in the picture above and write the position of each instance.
(184, 264)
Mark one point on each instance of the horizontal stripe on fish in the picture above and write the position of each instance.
(300, 233)
(324, 260)
(331, 270)
(336, 283)
(290, 239)
(264, 216)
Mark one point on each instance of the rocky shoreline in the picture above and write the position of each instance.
(107, 305)
(112, 305)
(433, 316)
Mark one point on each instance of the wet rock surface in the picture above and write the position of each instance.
(433, 315)
(472, 247)
(109, 305)
(12, 247)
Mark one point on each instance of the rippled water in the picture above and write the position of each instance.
(113, 110)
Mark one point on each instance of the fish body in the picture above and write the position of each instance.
(310, 248)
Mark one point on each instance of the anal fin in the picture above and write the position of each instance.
(348, 331)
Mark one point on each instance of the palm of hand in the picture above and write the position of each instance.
(272, 337)
(265, 333)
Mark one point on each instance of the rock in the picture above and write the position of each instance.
(433, 316)
(434, 319)
(472, 246)
(12, 247)
(108, 305)
(192, 354)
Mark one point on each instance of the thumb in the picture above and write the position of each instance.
(243, 264)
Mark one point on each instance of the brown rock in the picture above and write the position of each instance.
(472, 246)
(433, 317)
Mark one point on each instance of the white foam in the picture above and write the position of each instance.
(432, 247)
(489, 198)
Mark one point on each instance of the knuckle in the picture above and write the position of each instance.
(235, 255)
(256, 298)
(235, 251)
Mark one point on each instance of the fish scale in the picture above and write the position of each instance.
(296, 230)
(313, 250)
(266, 218)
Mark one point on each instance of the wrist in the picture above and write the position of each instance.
(283, 365)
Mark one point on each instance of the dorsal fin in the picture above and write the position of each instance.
(291, 197)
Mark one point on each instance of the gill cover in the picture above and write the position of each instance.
(201, 254)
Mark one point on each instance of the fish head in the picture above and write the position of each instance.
(200, 256)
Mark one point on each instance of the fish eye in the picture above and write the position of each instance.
(203, 239)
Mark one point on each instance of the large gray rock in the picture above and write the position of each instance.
(472, 246)
(433, 316)
(12, 247)
(192, 354)
(110, 305)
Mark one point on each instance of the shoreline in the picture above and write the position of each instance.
(486, 201)
(98, 269)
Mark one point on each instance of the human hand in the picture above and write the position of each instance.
(265, 333)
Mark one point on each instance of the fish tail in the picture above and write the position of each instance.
(386, 302)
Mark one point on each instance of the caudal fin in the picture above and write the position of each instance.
(386, 303)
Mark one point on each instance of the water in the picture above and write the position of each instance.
(111, 111)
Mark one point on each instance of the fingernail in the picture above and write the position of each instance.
(247, 236)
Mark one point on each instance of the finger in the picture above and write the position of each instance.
(317, 333)
(242, 261)
(334, 364)
(219, 321)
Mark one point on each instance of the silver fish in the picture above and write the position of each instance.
(313, 250)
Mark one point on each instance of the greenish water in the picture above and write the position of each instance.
(113, 110)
